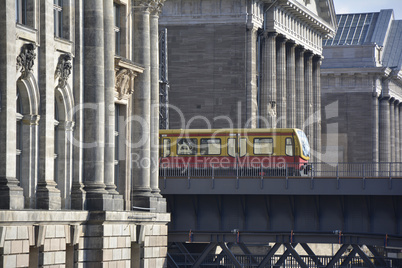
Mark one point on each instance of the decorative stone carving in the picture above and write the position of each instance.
(124, 83)
(155, 6)
(63, 69)
(26, 59)
(125, 72)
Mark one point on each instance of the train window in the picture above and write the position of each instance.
(289, 146)
(232, 147)
(263, 146)
(243, 147)
(210, 146)
(187, 147)
(166, 147)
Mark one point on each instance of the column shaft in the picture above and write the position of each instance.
(94, 112)
(392, 129)
(11, 196)
(308, 99)
(375, 130)
(109, 34)
(154, 36)
(317, 104)
(281, 82)
(290, 85)
(47, 195)
(385, 131)
(299, 87)
(141, 109)
(268, 83)
(396, 126)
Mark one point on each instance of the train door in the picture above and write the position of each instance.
(237, 146)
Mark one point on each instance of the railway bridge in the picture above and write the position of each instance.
(220, 214)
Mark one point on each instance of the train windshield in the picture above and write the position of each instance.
(304, 142)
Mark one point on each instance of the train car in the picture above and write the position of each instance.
(277, 151)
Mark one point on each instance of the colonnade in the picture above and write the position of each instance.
(290, 88)
(389, 129)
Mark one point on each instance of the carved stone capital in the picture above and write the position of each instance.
(153, 6)
(63, 69)
(26, 59)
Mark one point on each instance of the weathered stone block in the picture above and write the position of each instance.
(22, 260)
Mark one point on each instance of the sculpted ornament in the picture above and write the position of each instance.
(26, 59)
(155, 6)
(63, 69)
(124, 83)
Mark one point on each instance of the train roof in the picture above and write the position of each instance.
(227, 130)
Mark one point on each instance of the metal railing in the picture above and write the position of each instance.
(261, 170)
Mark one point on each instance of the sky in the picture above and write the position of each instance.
(363, 6)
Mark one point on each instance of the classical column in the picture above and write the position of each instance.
(291, 85)
(94, 112)
(109, 51)
(392, 128)
(154, 53)
(141, 156)
(281, 82)
(396, 126)
(11, 195)
(268, 83)
(317, 103)
(299, 87)
(375, 129)
(78, 194)
(251, 76)
(308, 99)
(385, 131)
(47, 195)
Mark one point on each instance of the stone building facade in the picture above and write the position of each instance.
(247, 63)
(79, 134)
(362, 89)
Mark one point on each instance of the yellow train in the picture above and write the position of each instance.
(266, 149)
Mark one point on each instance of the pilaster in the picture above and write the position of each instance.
(268, 84)
(47, 195)
(396, 126)
(375, 127)
(317, 60)
(392, 128)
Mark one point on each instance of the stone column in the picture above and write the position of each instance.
(375, 130)
(141, 155)
(385, 131)
(268, 83)
(11, 195)
(400, 131)
(290, 85)
(396, 126)
(317, 103)
(78, 194)
(109, 51)
(251, 76)
(299, 87)
(308, 99)
(94, 112)
(392, 128)
(154, 53)
(281, 82)
(47, 195)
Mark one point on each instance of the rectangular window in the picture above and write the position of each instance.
(117, 28)
(21, 11)
(242, 147)
(232, 147)
(289, 146)
(210, 146)
(166, 147)
(187, 147)
(58, 17)
(263, 146)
